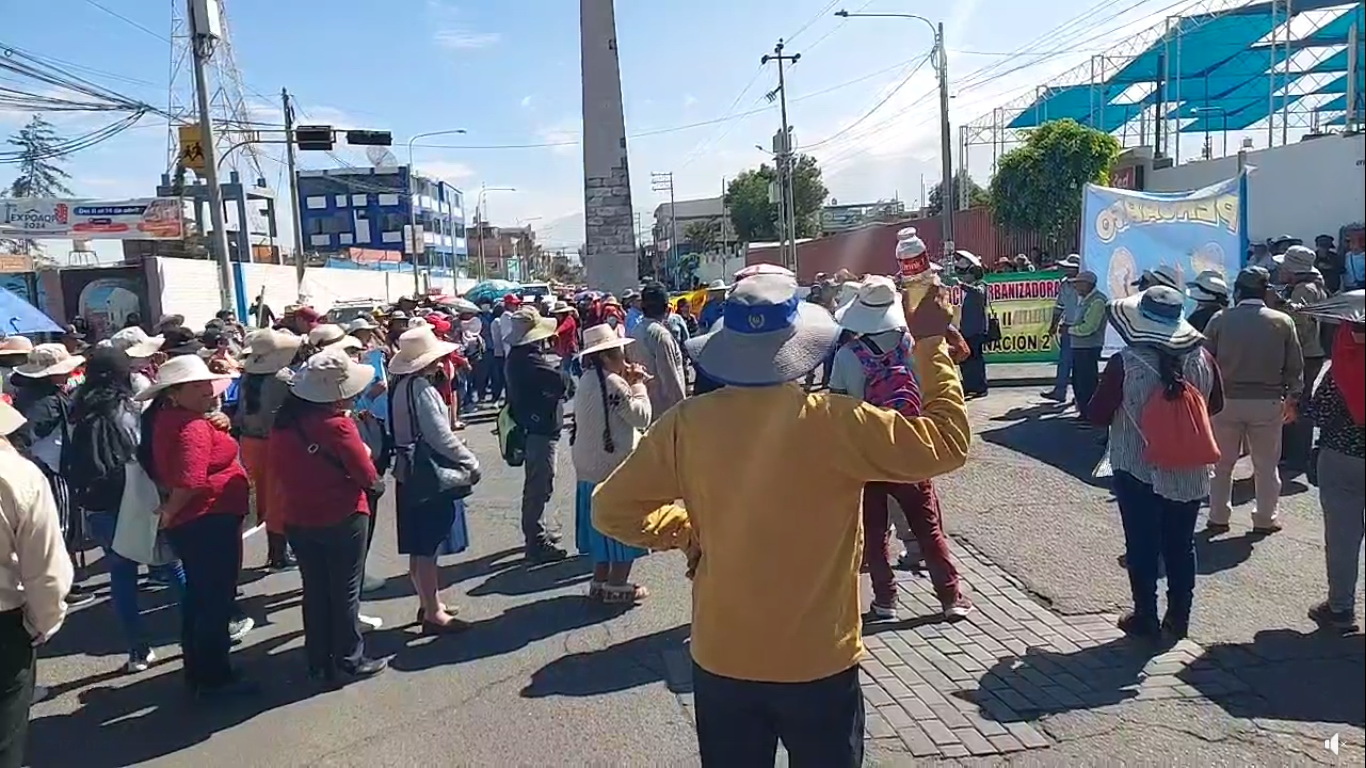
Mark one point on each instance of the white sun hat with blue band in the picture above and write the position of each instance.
(766, 335)
(1154, 316)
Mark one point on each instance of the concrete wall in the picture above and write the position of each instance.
(1305, 189)
(189, 287)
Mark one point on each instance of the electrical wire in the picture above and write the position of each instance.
(126, 20)
(895, 90)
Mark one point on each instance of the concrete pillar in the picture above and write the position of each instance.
(609, 256)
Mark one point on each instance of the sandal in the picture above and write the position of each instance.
(449, 609)
(595, 589)
(624, 594)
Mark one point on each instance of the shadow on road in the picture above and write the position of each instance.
(1318, 677)
(1022, 688)
(514, 629)
(662, 656)
(1046, 434)
(533, 579)
(154, 717)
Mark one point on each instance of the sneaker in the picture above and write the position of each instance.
(369, 623)
(545, 552)
(238, 628)
(365, 668)
(880, 613)
(76, 599)
(1134, 625)
(1327, 618)
(957, 610)
(1051, 395)
(139, 661)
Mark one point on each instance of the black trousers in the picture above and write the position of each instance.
(1297, 437)
(372, 498)
(17, 660)
(1085, 376)
(739, 722)
(332, 565)
(211, 550)
(974, 369)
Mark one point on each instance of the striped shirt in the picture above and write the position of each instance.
(1138, 366)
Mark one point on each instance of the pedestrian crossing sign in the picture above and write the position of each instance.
(191, 148)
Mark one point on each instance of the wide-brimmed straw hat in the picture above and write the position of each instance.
(966, 257)
(529, 327)
(767, 335)
(763, 269)
(1163, 275)
(15, 346)
(268, 351)
(875, 308)
(327, 334)
(10, 419)
(1298, 260)
(1154, 316)
(134, 342)
(331, 376)
(48, 360)
(600, 337)
(1348, 307)
(361, 323)
(1209, 286)
(418, 348)
(185, 369)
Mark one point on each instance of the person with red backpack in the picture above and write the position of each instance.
(876, 367)
(1156, 397)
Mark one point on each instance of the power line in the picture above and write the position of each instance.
(128, 21)
(875, 108)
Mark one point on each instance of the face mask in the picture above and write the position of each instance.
(612, 321)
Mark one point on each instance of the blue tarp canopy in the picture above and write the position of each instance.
(20, 318)
(1218, 74)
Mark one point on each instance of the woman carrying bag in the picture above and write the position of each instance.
(434, 471)
(101, 453)
(327, 517)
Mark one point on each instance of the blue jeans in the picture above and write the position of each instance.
(1157, 531)
(123, 579)
(1064, 364)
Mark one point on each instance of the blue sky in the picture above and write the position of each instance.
(508, 72)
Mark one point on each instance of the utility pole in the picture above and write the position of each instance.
(664, 182)
(945, 140)
(206, 30)
(787, 203)
(300, 262)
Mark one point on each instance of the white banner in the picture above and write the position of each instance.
(154, 218)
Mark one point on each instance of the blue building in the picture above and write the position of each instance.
(341, 208)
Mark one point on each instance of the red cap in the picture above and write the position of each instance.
(308, 315)
(440, 325)
(511, 300)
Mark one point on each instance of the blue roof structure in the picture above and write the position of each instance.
(1218, 74)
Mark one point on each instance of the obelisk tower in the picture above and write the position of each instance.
(609, 256)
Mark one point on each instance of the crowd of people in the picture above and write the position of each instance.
(163, 448)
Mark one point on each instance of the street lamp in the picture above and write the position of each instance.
(481, 218)
(412, 202)
(945, 137)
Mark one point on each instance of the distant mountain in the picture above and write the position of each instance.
(564, 231)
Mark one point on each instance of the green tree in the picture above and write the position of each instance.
(39, 151)
(976, 195)
(755, 219)
(1039, 186)
(702, 236)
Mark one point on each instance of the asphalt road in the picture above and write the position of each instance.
(546, 678)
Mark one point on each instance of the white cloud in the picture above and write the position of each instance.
(466, 40)
(454, 172)
(527, 101)
(565, 134)
(689, 100)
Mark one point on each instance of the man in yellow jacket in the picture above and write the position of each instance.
(770, 479)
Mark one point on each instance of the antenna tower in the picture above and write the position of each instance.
(232, 118)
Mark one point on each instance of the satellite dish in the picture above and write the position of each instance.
(380, 156)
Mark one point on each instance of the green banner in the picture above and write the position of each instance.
(1023, 304)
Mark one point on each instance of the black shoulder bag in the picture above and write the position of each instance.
(424, 482)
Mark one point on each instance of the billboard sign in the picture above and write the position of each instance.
(155, 218)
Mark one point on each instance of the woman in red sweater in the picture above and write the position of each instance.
(196, 463)
(327, 517)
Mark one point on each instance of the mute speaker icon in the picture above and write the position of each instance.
(1332, 744)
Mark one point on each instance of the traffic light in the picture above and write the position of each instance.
(369, 138)
(314, 137)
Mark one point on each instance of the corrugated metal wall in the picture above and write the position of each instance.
(871, 249)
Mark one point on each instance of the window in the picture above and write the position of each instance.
(317, 203)
(313, 226)
(341, 201)
(336, 223)
(358, 200)
(392, 222)
(387, 199)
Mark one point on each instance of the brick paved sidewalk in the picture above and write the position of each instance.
(981, 686)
